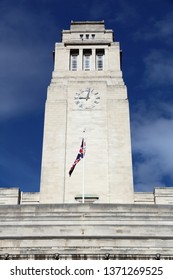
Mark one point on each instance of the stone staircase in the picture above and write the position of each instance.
(86, 229)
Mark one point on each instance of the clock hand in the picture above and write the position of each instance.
(88, 95)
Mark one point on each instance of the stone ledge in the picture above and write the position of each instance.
(81, 256)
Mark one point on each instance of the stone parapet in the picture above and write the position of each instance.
(10, 196)
(143, 198)
(163, 195)
(13, 196)
(30, 197)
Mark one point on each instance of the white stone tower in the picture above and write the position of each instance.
(87, 92)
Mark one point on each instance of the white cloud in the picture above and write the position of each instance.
(15, 169)
(153, 150)
(25, 59)
(115, 11)
(126, 13)
(157, 29)
(99, 10)
(20, 71)
(158, 68)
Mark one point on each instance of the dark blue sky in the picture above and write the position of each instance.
(28, 32)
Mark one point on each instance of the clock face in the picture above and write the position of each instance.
(87, 98)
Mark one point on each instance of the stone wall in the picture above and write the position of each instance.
(13, 196)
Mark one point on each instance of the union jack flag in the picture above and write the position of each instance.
(80, 155)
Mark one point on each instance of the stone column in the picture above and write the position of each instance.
(80, 59)
(93, 59)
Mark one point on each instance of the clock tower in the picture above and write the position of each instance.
(87, 99)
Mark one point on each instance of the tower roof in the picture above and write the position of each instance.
(87, 32)
(87, 26)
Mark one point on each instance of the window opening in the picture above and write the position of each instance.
(87, 60)
(74, 59)
(99, 59)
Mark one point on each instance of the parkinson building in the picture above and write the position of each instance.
(93, 213)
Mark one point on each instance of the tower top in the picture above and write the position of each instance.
(87, 25)
(81, 30)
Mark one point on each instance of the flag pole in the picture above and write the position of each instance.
(83, 183)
